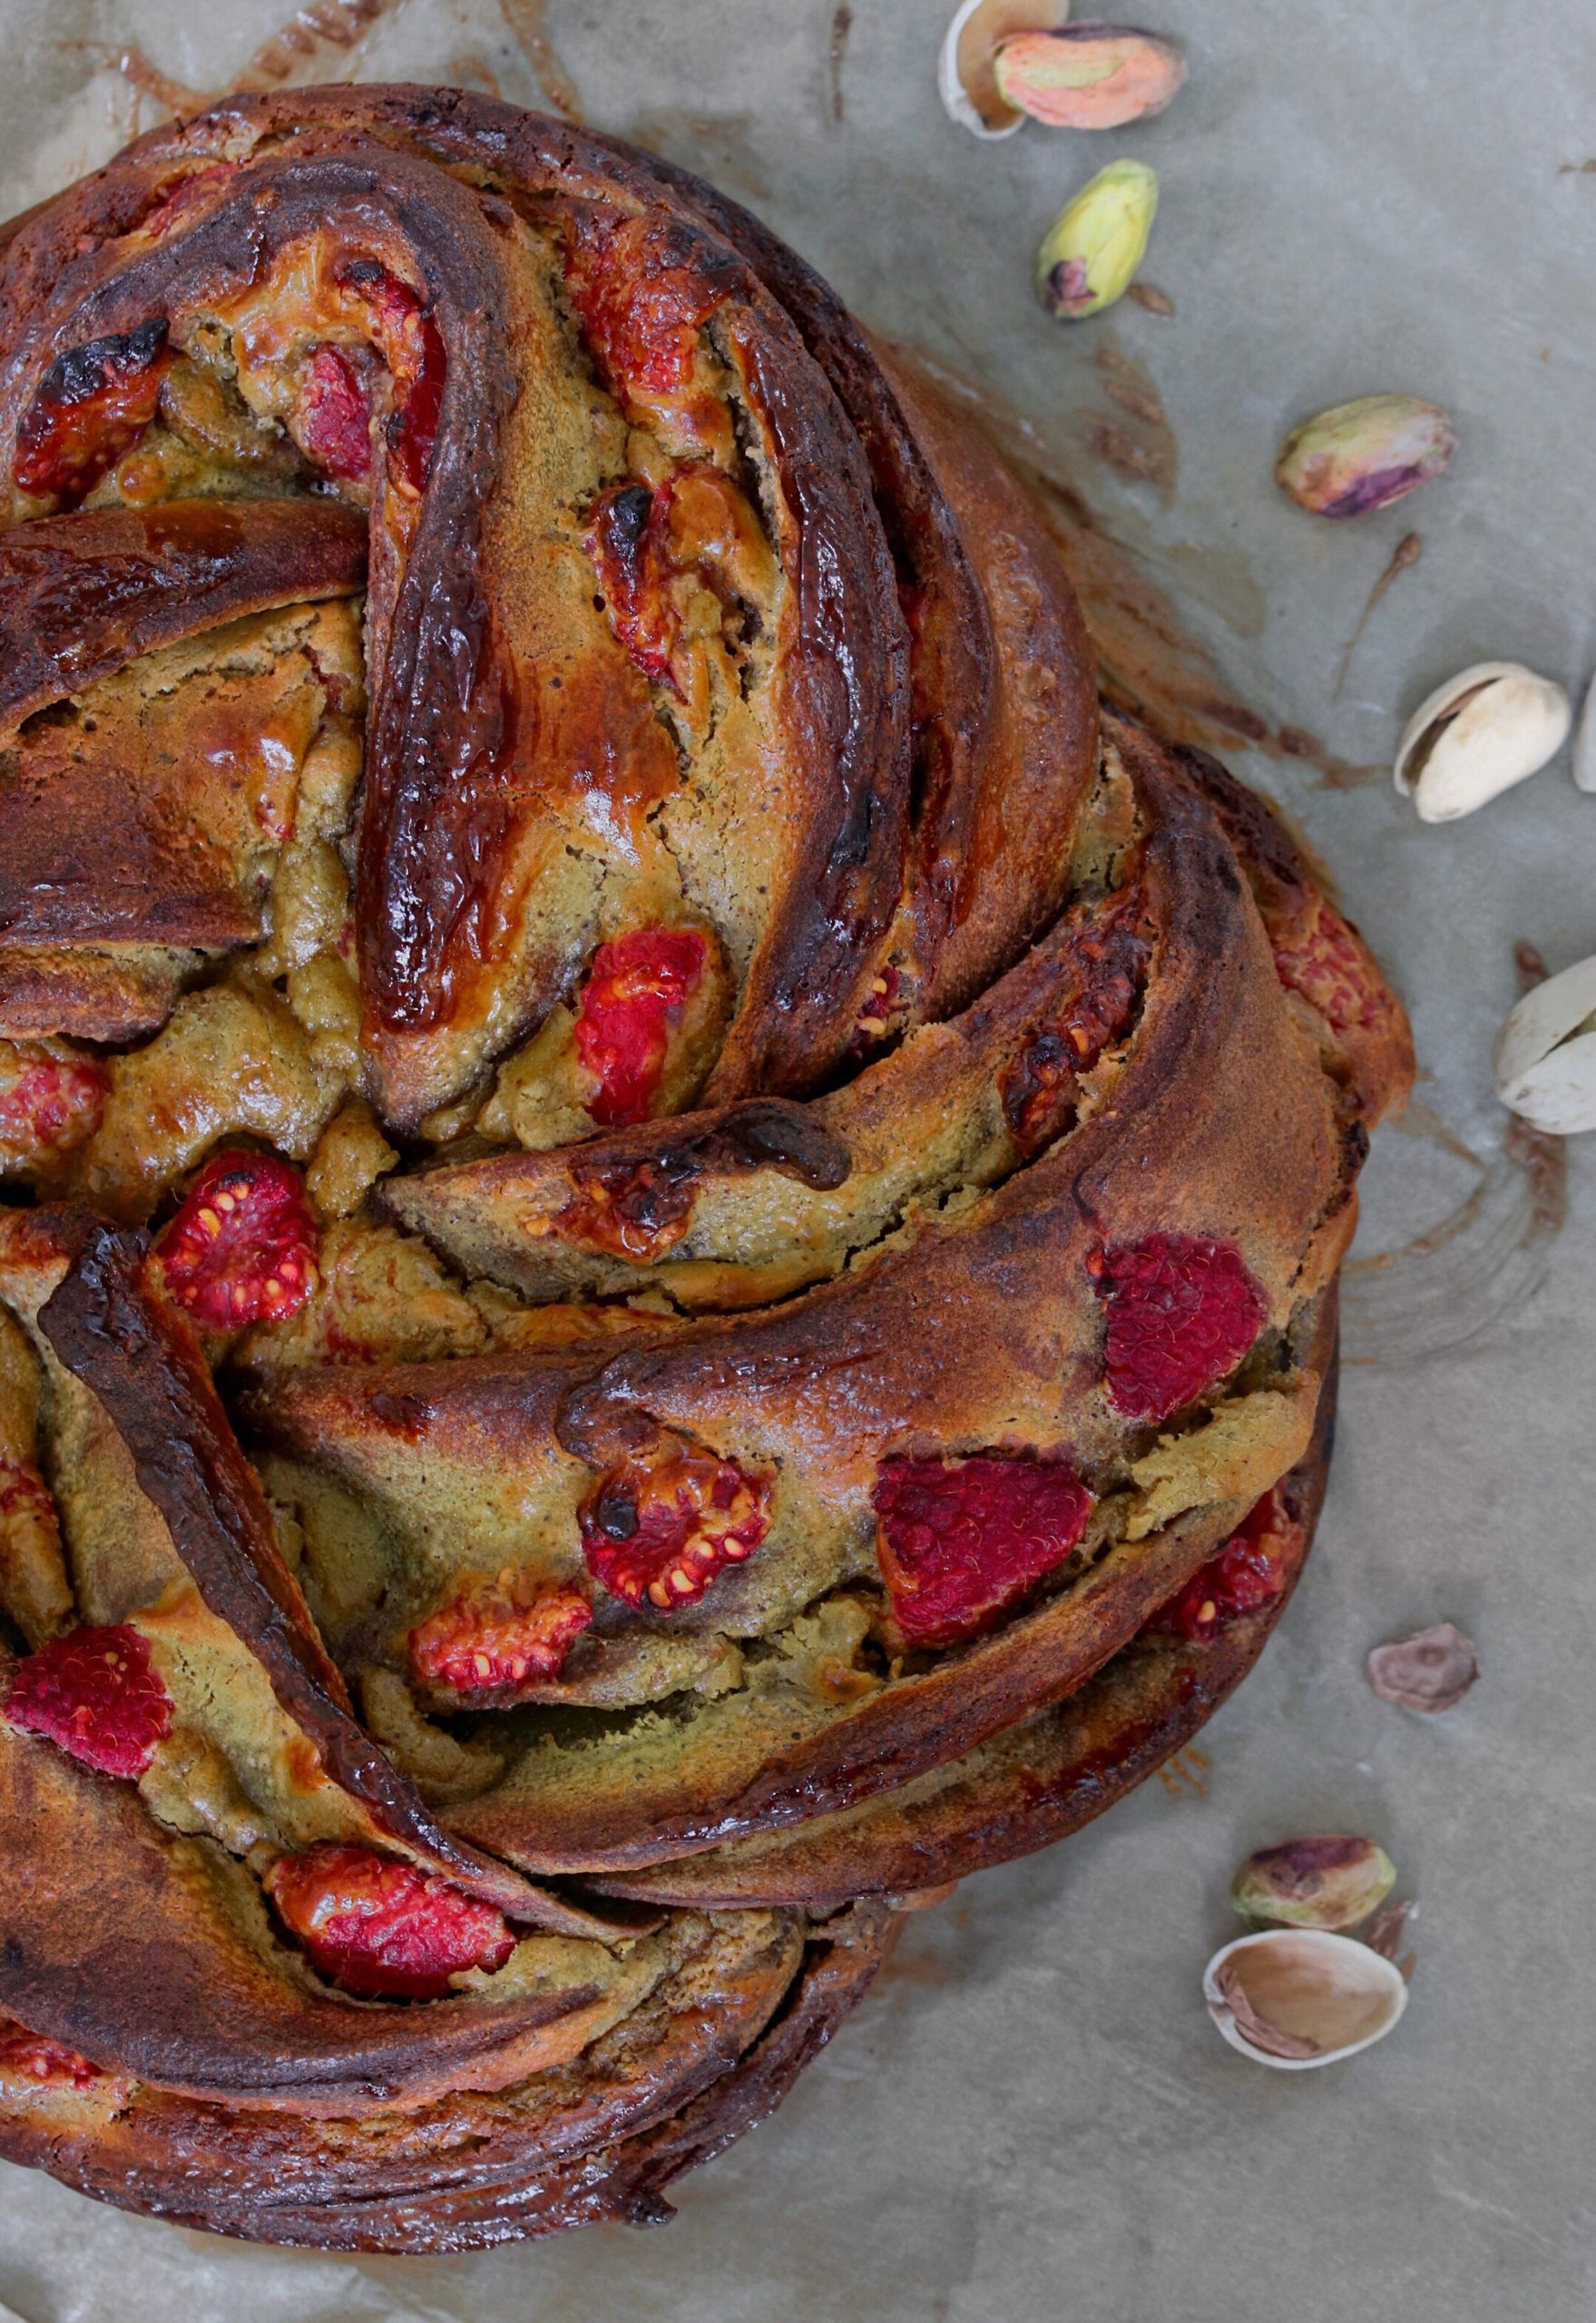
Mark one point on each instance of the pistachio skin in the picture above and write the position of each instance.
(1365, 454)
(1090, 254)
(1321, 1880)
(1089, 75)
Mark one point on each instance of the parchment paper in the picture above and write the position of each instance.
(1032, 2119)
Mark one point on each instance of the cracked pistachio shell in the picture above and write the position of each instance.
(1585, 745)
(965, 72)
(1364, 455)
(1490, 727)
(1546, 1054)
(1092, 250)
(1089, 76)
(1321, 1880)
(1295, 1998)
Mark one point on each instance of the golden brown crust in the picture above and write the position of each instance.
(828, 1030)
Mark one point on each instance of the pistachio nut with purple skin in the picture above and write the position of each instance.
(1365, 454)
(1094, 246)
(1324, 1880)
(1088, 76)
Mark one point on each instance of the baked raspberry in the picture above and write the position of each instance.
(662, 1527)
(510, 1632)
(380, 1927)
(1317, 954)
(630, 1004)
(48, 1104)
(92, 405)
(1249, 1571)
(959, 1541)
(23, 1491)
(97, 1693)
(242, 1246)
(1182, 1311)
(1104, 968)
(37, 2059)
(179, 195)
(640, 301)
(875, 1019)
(635, 1210)
(334, 420)
(413, 349)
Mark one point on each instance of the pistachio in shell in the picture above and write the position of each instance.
(1295, 1998)
(1087, 75)
(1094, 246)
(1435, 1668)
(965, 77)
(1323, 1879)
(1365, 454)
(1491, 726)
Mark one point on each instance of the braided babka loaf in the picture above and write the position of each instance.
(670, 1272)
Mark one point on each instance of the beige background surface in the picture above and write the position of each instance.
(1032, 2118)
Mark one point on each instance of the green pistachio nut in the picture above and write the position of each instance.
(1365, 454)
(1095, 246)
(1323, 1880)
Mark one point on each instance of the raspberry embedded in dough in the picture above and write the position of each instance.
(97, 1693)
(242, 1246)
(379, 1928)
(960, 1541)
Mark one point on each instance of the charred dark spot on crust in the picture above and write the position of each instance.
(782, 1137)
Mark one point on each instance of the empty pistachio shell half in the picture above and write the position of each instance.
(1364, 455)
(1321, 1880)
(1585, 745)
(1546, 1054)
(1088, 76)
(1095, 246)
(1293, 1997)
(1488, 728)
(965, 79)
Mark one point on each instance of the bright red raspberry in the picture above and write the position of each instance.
(631, 1004)
(1101, 974)
(334, 420)
(413, 349)
(377, 1926)
(37, 2059)
(511, 1631)
(92, 405)
(1317, 954)
(1182, 1311)
(242, 1247)
(48, 1103)
(640, 300)
(96, 1692)
(1248, 1573)
(959, 1541)
(663, 1525)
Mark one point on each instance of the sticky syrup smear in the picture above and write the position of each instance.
(1407, 553)
(1185, 1775)
(526, 19)
(842, 24)
(1479, 1262)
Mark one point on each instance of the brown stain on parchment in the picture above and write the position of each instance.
(1135, 439)
(528, 21)
(842, 24)
(323, 29)
(1477, 1264)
